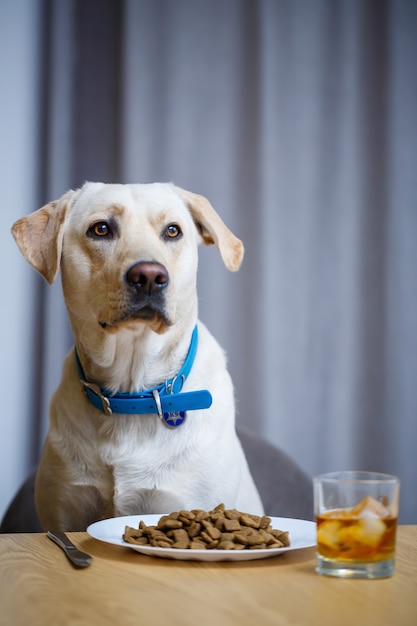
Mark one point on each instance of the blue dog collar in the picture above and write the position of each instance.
(166, 400)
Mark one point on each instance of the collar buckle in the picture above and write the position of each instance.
(97, 391)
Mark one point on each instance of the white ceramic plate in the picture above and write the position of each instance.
(301, 532)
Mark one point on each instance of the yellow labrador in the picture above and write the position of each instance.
(143, 419)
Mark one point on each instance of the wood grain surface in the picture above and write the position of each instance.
(39, 587)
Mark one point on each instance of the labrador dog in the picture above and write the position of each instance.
(143, 420)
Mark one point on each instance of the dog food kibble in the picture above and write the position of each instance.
(221, 528)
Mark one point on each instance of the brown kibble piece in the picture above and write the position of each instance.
(211, 530)
(226, 545)
(255, 538)
(232, 514)
(139, 541)
(230, 525)
(194, 529)
(281, 536)
(253, 521)
(163, 544)
(241, 538)
(180, 534)
(186, 517)
(265, 521)
(200, 515)
(170, 524)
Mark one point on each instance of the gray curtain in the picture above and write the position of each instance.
(297, 119)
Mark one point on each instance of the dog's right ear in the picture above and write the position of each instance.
(39, 236)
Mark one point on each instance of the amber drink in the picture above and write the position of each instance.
(356, 515)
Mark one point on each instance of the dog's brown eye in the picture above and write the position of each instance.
(173, 231)
(100, 229)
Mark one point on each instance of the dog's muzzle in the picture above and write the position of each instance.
(147, 282)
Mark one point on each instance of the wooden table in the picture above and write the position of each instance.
(39, 587)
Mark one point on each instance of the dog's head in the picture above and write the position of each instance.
(127, 253)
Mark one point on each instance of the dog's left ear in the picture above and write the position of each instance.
(212, 229)
(39, 236)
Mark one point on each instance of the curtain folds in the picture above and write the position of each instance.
(296, 118)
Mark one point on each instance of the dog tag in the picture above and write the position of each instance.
(174, 419)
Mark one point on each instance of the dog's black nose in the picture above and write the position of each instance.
(148, 277)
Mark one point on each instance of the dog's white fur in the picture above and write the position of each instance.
(96, 466)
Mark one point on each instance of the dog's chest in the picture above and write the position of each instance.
(132, 462)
